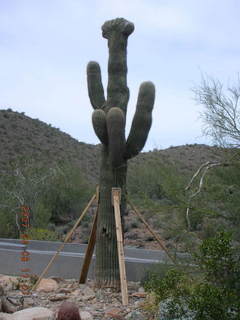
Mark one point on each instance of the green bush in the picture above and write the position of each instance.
(43, 234)
(214, 295)
(53, 194)
(8, 228)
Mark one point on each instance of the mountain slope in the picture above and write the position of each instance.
(21, 135)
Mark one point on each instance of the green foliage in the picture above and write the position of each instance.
(42, 213)
(211, 302)
(156, 181)
(68, 194)
(54, 194)
(215, 295)
(8, 228)
(219, 261)
(43, 234)
(173, 284)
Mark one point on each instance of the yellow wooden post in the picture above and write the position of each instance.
(116, 200)
(90, 247)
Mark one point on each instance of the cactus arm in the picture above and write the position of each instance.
(95, 87)
(100, 126)
(116, 136)
(117, 32)
(142, 120)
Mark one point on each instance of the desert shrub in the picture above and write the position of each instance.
(218, 202)
(213, 295)
(53, 194)
(8, 228)
(155, 180)
(43, 234)
(68, 194)
(42, 214)
(220, 261)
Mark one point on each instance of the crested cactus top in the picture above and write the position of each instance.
(109, 117)
(119, 25)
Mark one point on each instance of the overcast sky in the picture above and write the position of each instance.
(45, 46)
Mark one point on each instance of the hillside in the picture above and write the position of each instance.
(156, 183)
(21, 135)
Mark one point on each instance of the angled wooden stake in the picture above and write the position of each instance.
(159, 240)
(68, 236)
(116, 199)
(90, 247)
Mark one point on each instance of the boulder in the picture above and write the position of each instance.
(9, 282)
(86, 315)
(88, 294)
(135, 315)
(47, 285)
(6, 316)
(36, 313)
(114, 313)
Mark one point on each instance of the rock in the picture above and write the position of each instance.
(86, 315)
(47, 285)
(57, 279)
(139, 294)
(58, 297)
(114, 313)
(68, 311)
(5, 316)
(10, 305)
(76, 293)
(64, 290)
(36, 313)
(141, 289)
(9, 282)
(88, 294)
(135, 315)
(28, 302)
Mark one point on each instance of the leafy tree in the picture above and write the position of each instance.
(67, 195)
(221, 115)
(52, 194)
(24, 183)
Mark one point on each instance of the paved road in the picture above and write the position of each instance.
(69, 261)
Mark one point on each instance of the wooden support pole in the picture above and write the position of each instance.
(156, 236)
(116, 199)
(68, 236)
(90, 247)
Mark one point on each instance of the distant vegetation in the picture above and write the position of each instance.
(56, 175)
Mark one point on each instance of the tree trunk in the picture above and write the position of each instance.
(107, 267)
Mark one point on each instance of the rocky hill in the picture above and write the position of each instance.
(21, 135)
(156, 182)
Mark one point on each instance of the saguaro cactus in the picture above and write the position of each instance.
(109, 119)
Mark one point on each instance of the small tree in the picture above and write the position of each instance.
(25, 182)
(109, 119)
(221, 115)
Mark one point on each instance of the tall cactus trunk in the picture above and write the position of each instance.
(107, 267)
(109, 120)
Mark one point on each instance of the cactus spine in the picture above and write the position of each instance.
(109, 119)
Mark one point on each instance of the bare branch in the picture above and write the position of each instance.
(203, 168)
(221, 116)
